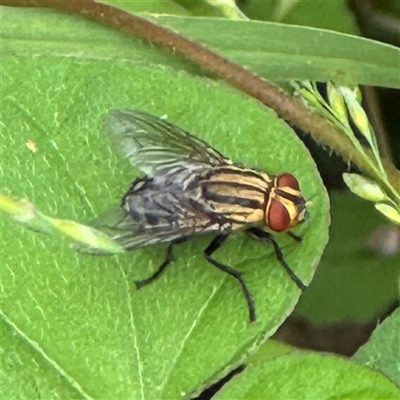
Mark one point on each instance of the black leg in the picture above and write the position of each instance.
(263, 235)
(294, 237)
(169, 257)
(216, 244)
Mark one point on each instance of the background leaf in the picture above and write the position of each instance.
(74, 36)
(277, 52)
(107, 339)
(382, 352)
(353, 282)
(318, 13)
(281, 52)
(278, 372)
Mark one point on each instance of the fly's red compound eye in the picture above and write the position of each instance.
(278, 217)
(288, 180)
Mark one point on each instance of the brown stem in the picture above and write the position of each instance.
(290, 109)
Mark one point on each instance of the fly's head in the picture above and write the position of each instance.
(286, 207)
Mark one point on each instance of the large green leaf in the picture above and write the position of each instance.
(280, 372)
(382, 352)
(73, 36)
(74, 325)
(282, 52)
(334, 15)
(277, 52)
(353, 283)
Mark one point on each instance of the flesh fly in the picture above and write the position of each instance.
(189, 188)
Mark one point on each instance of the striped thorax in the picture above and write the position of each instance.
(247, 197)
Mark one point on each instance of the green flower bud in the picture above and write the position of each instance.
(364, 187)
(88, 239)
(389, 212)
(337, 103)
(357, 113)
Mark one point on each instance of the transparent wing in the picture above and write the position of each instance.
(151, 143)
(121, 228)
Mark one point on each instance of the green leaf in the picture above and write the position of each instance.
(334, 15)
(353, 283)
(277, 52)
(79, 318)
(382, 351)
(75, 36)
(281, 52)
(154, 6)
(283, 373)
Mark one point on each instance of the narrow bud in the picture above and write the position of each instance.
(357, 113)
(25, 213)
(228, 8)
(337, 103)
(389, 212)
(364, 187)
(88, 239)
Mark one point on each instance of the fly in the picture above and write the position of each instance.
(189, 188)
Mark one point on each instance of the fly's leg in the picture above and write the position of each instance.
(169, 257)
(294, 237)
(263, 235)
(215, 245)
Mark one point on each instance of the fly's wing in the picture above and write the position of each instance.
(119, 226)
(152, 144)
